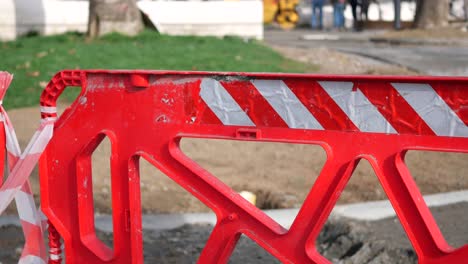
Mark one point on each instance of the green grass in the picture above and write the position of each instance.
(34, 60)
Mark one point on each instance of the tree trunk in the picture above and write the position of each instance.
(106, 16)
(431, 13)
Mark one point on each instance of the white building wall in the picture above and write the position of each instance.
(213, 18)
(7, 20)
(203, 18)
(18, 17)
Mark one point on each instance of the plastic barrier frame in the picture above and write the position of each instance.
(66, 201)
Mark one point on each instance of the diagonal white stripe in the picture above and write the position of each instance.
(286, 104)
(222, 104)
(432, 109)
(357, 107)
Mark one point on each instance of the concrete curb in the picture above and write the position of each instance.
(367, 211)
(327, 36)
(377, 210)
(419, 42)
(360, 37)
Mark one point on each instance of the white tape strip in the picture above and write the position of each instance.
(286, 104)
(357, 107)
(55, 256)
(12, 144)
(22, 169)
(222, 104)
(17, 184)
(49, 109)
(48, 119)
(30, 259)
(432, 109)
(4, 197)
(39, 140)
(26, 213)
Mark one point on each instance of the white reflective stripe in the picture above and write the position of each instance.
(286, 104)
(357, 107)
(30, 259)
(432, 109)
(49, 109)
(24, 203)
(222, 104)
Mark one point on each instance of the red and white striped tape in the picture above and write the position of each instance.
(17, 185)
(402, 108)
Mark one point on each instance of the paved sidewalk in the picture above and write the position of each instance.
(366, 211)
(426, 56)
(373, 36)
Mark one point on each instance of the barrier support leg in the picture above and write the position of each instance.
(55, 245)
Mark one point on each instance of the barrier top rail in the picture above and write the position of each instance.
(146, 113)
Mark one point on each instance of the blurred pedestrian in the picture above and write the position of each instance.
(354, 4)
(465, 8)
(317, 14)
(365, 9)
(338, 13)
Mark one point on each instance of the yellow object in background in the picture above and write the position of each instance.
(270, 8)
(282, 12)
(249, 196)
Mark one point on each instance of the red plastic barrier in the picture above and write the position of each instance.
(146, 113)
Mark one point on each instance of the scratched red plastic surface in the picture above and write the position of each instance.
(146, 113)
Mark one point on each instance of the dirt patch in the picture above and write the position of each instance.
(350, 242)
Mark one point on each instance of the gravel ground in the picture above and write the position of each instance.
(341, 241)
